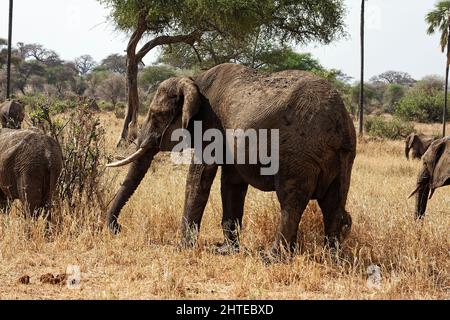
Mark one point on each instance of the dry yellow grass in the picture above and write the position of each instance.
(144, 263)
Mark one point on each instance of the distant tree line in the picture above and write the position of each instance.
(37, 70)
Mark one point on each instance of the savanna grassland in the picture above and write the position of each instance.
(144, 261)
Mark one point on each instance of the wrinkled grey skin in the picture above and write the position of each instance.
(317, 148)
(12, 114)
(419, 143)
(434, 174)
(30, 163)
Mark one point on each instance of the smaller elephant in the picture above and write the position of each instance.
(30, 164)
(12, 114)
(434, 174)
(419, 143)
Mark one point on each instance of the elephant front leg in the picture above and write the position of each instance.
(234, 190)
(198, 188)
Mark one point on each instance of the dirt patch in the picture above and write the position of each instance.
(24, 280)
(51, 279)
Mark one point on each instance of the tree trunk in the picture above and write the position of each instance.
(361, 95)
(129, 131)
(130, 126)
(444, 112)
(8, 71)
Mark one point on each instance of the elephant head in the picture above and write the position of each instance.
(434, 174)
(418, 143)
(12, 114)
(175, 104)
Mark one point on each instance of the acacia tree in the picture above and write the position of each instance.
(85, 64)
(114, 63)
(439, 19)
(185, 21)
(394, 77)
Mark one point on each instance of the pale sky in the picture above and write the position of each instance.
(396, 36)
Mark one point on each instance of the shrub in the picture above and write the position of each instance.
(393, 94)
(388, 129)
(54, 105)
(106, 106)
(83, 143)
(119, 112)
(421, 106)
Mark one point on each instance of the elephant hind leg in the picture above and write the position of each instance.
(337, 222)
(294, 194)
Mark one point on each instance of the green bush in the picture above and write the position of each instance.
(106, 106)
(388, 129)
(421, 106)
(120, 111)
(54, 105)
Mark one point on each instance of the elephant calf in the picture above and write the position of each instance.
(12, 114)
(419, 143)
(30, 163)
(435, 174)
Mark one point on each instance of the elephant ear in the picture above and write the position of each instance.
(411, 139)
(437, 160)
(189, 91)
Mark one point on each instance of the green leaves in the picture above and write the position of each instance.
(438, 20)
(419, 105)
(286, 20)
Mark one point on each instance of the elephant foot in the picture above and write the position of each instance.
(278, 254)
(115, 227)
(226, 248)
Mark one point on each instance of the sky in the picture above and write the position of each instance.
(396, 36)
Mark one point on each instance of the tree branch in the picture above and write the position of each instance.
(189, 39)
(137, 36)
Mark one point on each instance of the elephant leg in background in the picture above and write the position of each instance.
(198, 187)
(294, 193)
(4, 203)
(234, 190)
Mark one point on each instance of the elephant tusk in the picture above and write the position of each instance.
(128, 160)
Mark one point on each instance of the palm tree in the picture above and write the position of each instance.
(439, 19)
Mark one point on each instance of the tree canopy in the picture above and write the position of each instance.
(300, 20)
(394, 77)
(438, 20)
(187, 21)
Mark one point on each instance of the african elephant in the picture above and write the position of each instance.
(434, 174)
(30, 163)
(419, 143)
(12, 114)
(316, 151)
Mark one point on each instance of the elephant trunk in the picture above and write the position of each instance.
(422, 192)
(136, 174)
(407, 151)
